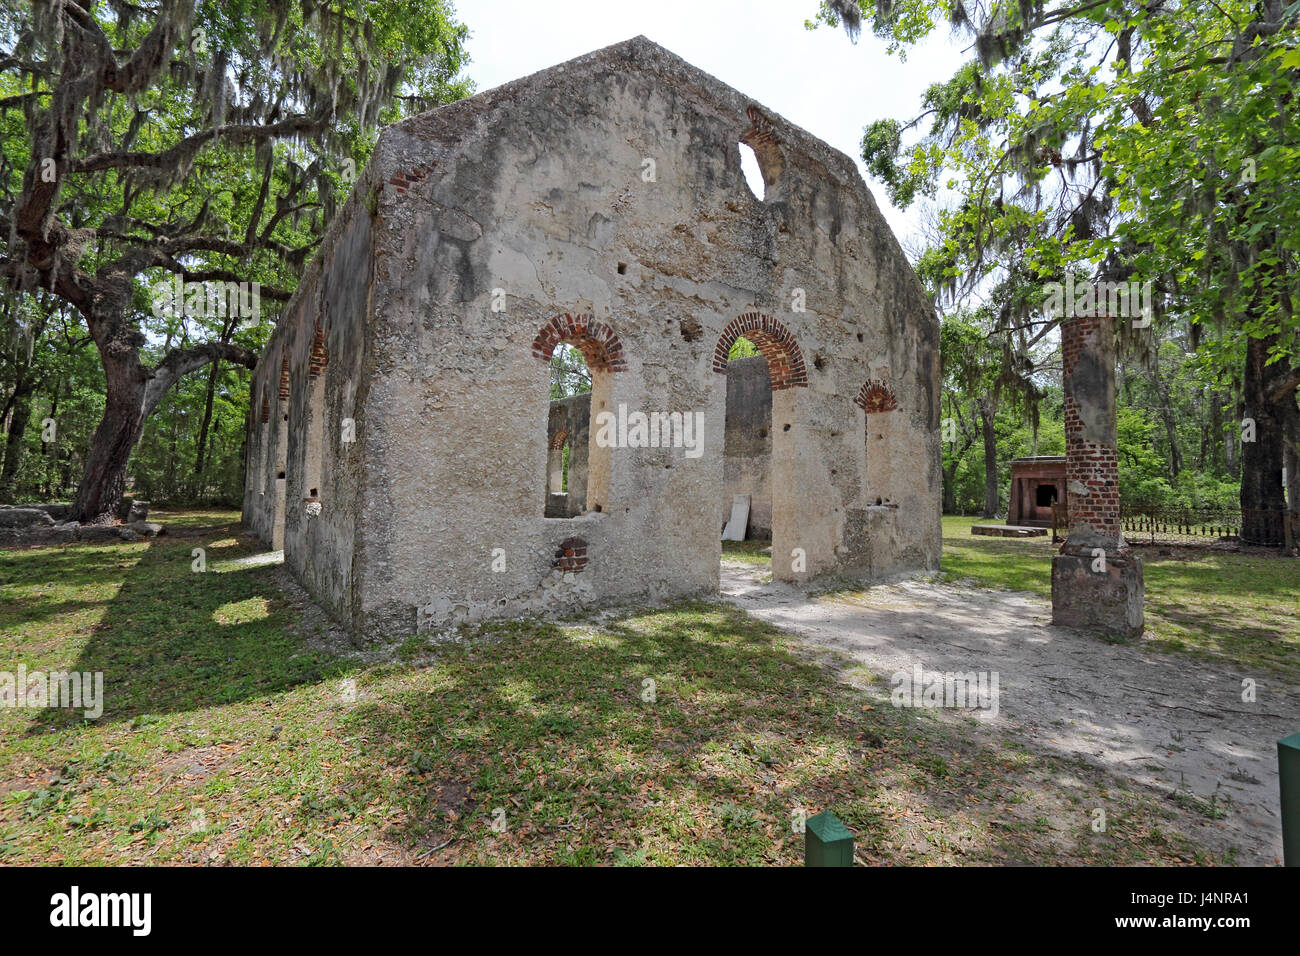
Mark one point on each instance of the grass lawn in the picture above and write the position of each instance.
(748, 552)
(232, 733)
(1242, 607)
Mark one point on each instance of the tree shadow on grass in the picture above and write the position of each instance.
(559, 736)
(173, 639)
(64, 565)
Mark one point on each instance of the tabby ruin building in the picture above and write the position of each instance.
(400, 446)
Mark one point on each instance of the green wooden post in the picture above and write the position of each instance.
(1288, 780)
(827, 841)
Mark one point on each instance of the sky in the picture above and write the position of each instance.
(817, 79)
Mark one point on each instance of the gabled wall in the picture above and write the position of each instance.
(602, 203)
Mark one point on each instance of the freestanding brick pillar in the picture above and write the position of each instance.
(1096, 577)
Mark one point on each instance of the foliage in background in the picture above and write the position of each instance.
(1118, 140)
(204, 140)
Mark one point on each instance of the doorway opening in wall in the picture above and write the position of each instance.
(761, 465)
(747, 456)
(568, 455)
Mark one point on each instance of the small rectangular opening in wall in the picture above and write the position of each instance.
(622, 268)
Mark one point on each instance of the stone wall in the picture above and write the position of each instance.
(599, 203)
(308, 386)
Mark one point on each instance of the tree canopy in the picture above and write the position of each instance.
(195, 142)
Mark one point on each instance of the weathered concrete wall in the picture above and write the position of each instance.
(305, 437)
(609, 190)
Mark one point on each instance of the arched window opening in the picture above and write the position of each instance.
(316, 413)
(567, 433)
(877, 400)
(750, 169)
(262, 438)
(747, 447)
(599, 355)
(760, 154)
(761, 436)
(281, 457)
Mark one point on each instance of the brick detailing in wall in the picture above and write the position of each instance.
(320, 355)
(784, 358)
(600, 347)
(1088, 463)
(266, 407)
(558, 439)
(762, 139)
(284, 379)
(571, 555)
(405, 180)
(876, 397)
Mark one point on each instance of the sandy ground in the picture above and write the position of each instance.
(1165, 721)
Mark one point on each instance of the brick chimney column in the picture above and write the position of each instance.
(1096, 578)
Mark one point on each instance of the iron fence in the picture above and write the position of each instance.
(1187, 525)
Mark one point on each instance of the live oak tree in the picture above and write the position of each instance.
(1156, 139)
(206, 140)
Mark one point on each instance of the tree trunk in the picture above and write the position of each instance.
(1210, 460)
(1171, 435)
(104, 479)
(1161, 389)
(1262, 504)
(227, 329)
(201, 455)
(51, 450)
(950, 490)
(169, 476)
(1231, 464)
(1291, 458)
(133, 392)
(22, 413)
(986, 412)
(1171, 431)
(950, 473)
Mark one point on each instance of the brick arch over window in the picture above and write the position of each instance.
(876, 397)
(784, 358)
(598, 343)
(762, 139)
(558, 439)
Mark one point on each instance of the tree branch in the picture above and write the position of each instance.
(190, 145)
(182, 361)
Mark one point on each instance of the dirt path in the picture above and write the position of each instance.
(1162, 720)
